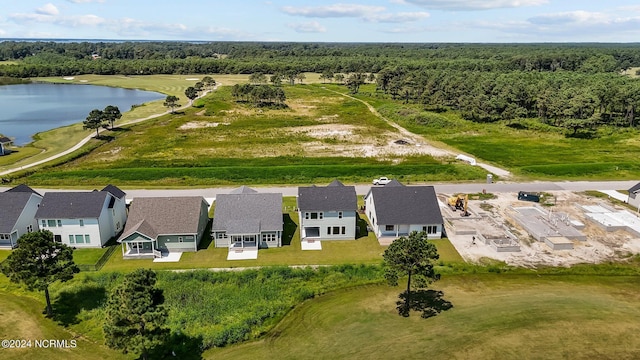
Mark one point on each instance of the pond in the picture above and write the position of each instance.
(31, 108)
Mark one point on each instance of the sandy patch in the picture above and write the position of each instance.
(192, 79)
(84, 81)
(337, 131)
(68, 78)
(199, 125)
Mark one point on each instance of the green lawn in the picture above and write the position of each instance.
(493, 317)
(88, 256)
(21, 318)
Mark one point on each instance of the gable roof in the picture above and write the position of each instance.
(115, 191)
(5, 140)
(23, 188)
(11, 206)
(248, 213)
(335, 182)
(71, 205)
(243, 190)
(635, 188)
(153, 216)
(406, 205)
(330, 198)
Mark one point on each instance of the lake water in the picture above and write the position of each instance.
(31, 108)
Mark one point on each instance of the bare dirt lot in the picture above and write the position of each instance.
(495, 219)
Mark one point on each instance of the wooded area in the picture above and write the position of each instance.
(575, 86)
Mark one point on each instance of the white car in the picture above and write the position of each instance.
(381, 181)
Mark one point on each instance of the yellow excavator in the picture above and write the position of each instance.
(459, 202)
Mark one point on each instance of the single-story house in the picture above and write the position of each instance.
(246, 218)
(18, 207)
(327, 213)
(83, 219)
(4, 142)
(396, 210)
(634, 196)
(164, 224)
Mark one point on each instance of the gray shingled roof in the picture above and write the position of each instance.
(115, 191)
(243, 190)
(406, 205)
(11, 206)
(5, 140)
(71, 205)
(153, 216)
(248, 213)
(330, 198)
(23, 188)
(635, 188)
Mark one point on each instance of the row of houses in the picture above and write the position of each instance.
(245, 219)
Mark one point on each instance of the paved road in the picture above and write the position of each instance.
(363, 189)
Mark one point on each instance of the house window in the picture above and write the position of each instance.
(29, 228)
(344, 230)
(71, 239)
(59, 223)
(432, 229)
(4, 236)
(269, 237)
(336, 229)
(389, 227)
(328, 230)
(44, 223)
(424, 228)
(81, 222)
(314, 215)
(79, 239)
(339, 214)
(87, 239)
(222, 235)
(51, 223)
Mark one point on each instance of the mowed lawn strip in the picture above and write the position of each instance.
(493, 317)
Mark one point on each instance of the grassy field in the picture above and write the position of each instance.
(224, 142)
(60, 139)
(493, 317)
(528, 148)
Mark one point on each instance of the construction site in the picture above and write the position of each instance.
(559, 228)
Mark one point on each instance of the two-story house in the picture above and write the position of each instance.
(83, 219)
(327, 213)
(18, 207)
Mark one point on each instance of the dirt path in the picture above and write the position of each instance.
(89, 137)
(420, 141)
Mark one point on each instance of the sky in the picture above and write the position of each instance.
(421, 21)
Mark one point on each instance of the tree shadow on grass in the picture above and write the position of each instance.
(289, 230)
(429, 302)
(69, 303)
(179, 346)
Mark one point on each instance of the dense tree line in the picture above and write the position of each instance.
(129, 58)
(259, 95)
(570, 99)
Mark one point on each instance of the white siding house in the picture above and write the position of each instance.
(327, 213)
(83, 219)
(18, 207)
(396, 210)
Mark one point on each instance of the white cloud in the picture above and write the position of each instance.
(308, 27)
(48, 9)
(336, 10)
(402, 17)
(468, 5)
(569, 26)
(2, 32)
